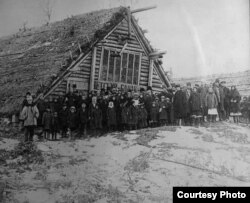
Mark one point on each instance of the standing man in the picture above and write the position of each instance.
(188, 92)
(221, 112)
(226, 101)
(148, 102)
(180, 105)
(217, 94)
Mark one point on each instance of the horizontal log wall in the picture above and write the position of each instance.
(79, 73)
(157, 84)
(60, 90)
(113, 41)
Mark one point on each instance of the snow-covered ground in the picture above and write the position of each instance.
(137, 166)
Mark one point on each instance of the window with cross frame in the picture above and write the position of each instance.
(122, 68)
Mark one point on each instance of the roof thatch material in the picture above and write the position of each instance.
(32, 60)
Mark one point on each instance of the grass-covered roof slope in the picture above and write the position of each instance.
(31, 60)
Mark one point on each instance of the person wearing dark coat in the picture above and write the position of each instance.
(103, 104)
(244, 109)
(195, 103)
(163, 111)
(51, 104)
(95, 117)
(180, 105)
(221, 108)
(83, 116)
(73, 122)
(154, 114)
(169, 108)
(188, 92)
(227, 102)
(47, 123)
(132, 116)
(142, 116)
(121, 101)
(55, 126)
(63, 119)
(148, 98)
(203, 92)
(124, 114)
(41, 105)
(56, 105)
(235, 103)
(111, 116)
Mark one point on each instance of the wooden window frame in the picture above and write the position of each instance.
(120, 77)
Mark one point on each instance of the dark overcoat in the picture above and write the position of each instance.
(180, 105)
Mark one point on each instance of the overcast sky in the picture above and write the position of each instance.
(200, 36)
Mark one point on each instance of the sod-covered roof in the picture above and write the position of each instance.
(31, 60)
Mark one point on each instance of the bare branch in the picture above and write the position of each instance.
(48, 9)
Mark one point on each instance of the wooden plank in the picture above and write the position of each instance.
(150, 73)
(92, 74)
(143, 9)
(129, 21)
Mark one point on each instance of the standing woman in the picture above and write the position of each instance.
(235, 104)
(29, 115)
(211, 104)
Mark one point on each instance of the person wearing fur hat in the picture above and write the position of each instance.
(111, 116)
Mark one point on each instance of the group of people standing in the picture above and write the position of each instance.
(111, 110)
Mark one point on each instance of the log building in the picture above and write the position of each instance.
(101, 49)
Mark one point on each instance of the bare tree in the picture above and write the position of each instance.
(24, 26)
(48, 8)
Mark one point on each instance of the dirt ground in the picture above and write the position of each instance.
(136, 166)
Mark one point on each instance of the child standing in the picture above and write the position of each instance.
(163, 116)
(55, 126)
(46, 122)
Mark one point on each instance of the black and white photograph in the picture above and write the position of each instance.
(121, 101)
